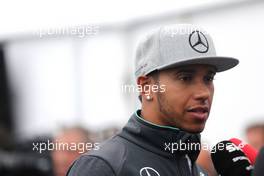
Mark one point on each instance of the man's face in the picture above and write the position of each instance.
(63, 157)
(187, 99)
(255, 137)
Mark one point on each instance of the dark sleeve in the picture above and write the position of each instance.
(88, 165)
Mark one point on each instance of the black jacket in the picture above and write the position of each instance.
(142, 149)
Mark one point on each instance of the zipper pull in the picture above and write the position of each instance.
(189, 163)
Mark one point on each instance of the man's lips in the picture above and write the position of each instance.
(199, 109)
(199, 112)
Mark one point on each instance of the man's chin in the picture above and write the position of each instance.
(195, 130)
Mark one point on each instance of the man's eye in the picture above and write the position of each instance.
(209, 78)
(185, 78)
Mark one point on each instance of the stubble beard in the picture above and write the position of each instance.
(166, 110)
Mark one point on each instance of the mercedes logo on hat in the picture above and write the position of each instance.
(148, 171)
(198, 42)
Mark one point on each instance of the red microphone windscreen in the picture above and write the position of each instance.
(249, 151)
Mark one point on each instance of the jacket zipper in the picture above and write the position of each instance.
(189, 163)
(185, 166)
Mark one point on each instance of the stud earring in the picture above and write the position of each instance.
(148, 97)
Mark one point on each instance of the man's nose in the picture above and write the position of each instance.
(202, 92)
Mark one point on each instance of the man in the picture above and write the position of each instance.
(175, 68)
(63, 157)
(255, 135)
(204, 160)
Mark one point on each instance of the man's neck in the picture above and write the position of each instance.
(152, 115)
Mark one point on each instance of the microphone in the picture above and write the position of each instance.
(230, 160)
(247, 149)
(259, 166)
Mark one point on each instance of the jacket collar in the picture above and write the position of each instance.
(163, 140)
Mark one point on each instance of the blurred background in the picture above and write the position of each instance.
(63, 65)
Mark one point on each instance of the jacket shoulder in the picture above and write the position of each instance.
(109, 157)
(113, 151)
(90, 165)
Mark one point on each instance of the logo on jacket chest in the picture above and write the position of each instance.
(148, 171)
